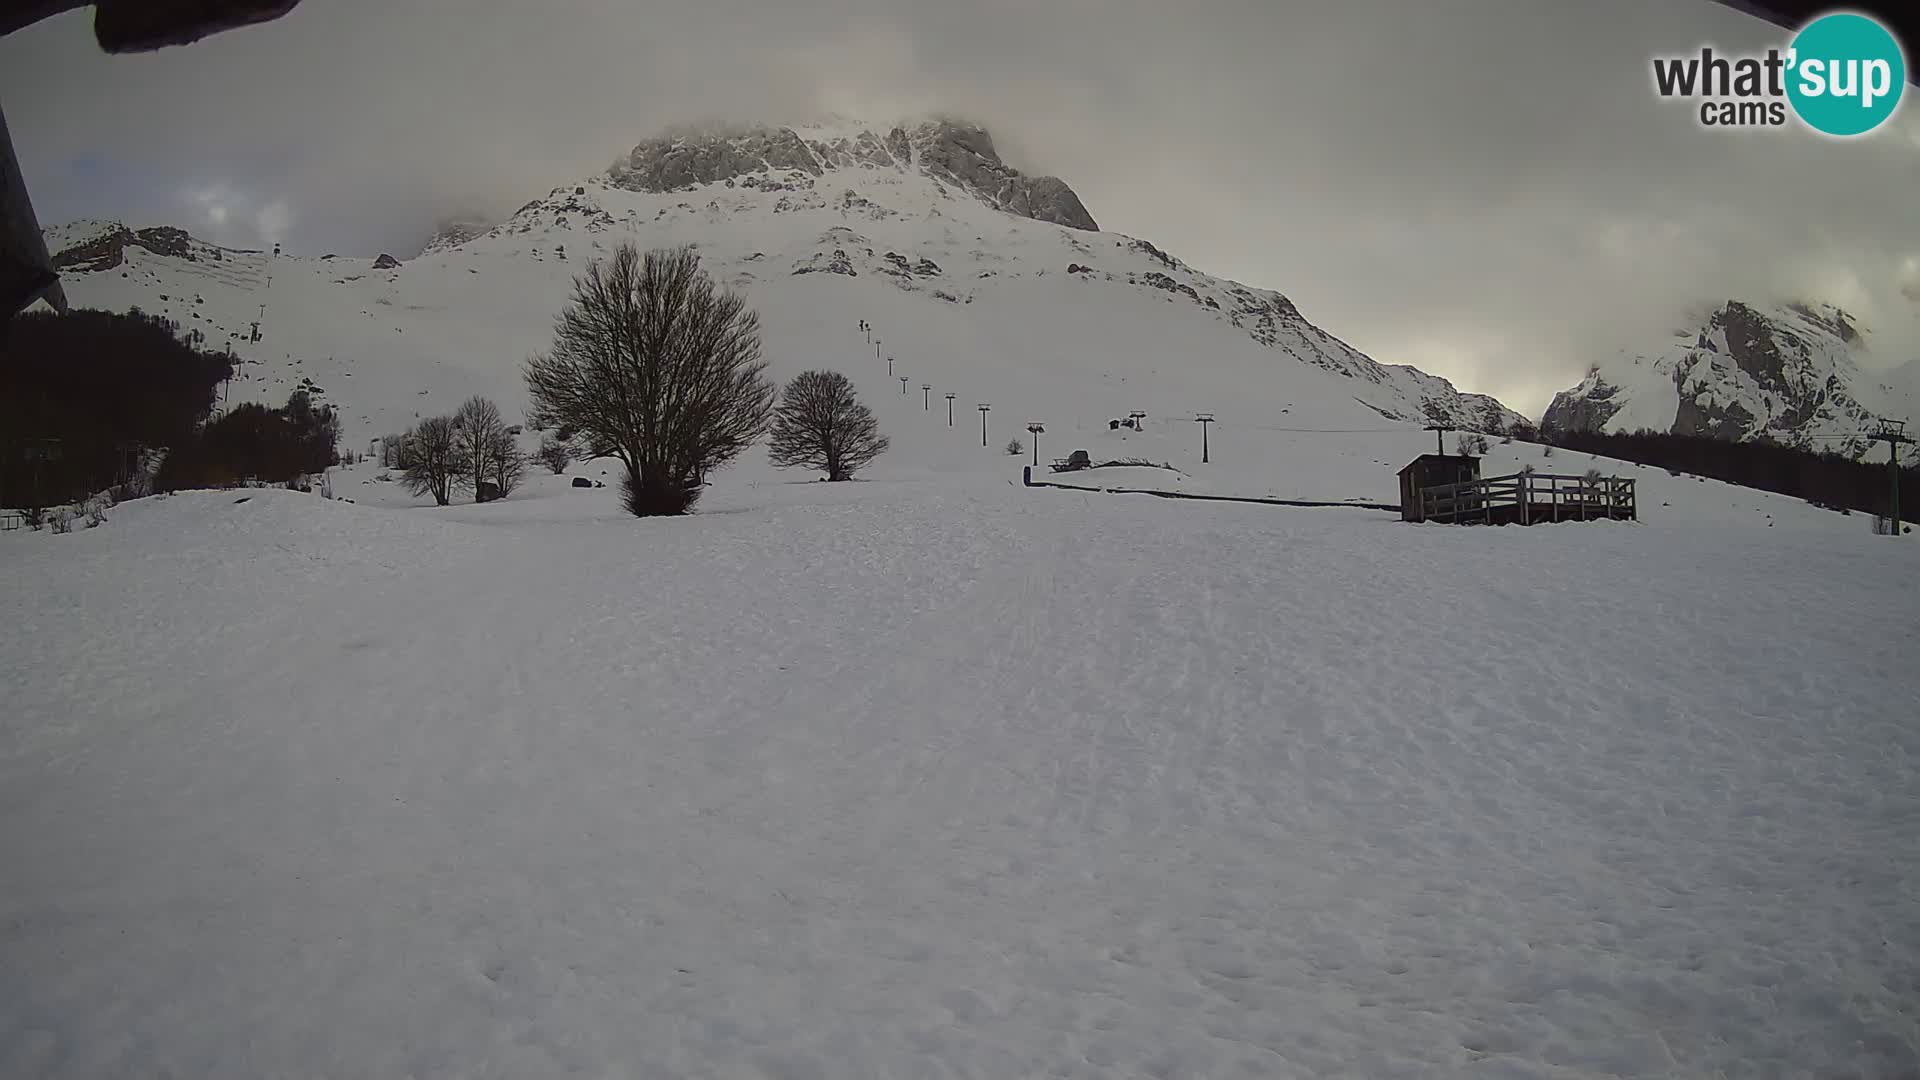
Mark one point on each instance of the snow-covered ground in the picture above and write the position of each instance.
(910, 778)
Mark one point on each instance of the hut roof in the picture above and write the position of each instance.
(1425, 459)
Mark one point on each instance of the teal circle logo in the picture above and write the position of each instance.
(1846, 74)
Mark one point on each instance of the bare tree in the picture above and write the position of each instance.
(653, 365)
(433, 461)
(821, 425)
(506, 465)
(554, 454)
(1015, 446)
(477, 434)
(393, 452)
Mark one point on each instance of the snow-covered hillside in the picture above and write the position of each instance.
(1786, 373)
(1047, 322)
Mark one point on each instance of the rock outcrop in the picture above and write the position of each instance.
(950, 151)
(108, 249)
(453, 232)
(1786, 374)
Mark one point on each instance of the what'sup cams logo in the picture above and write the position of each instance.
(1843, 74)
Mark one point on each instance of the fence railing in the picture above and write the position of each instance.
(1531, 498)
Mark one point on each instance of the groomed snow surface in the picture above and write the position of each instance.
(899, 779)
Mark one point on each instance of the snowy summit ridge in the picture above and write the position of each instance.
(1786, 373)
(947, 150)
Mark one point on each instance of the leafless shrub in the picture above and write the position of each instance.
(653, 365)
(433, 463)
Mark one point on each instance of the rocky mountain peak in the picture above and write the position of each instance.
(947, 150)
(1828, 318)
(1747, 371)
(103, 246)
(451, 232)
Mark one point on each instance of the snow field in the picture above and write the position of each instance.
(897, 780)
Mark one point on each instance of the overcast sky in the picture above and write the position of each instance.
(1488, 189)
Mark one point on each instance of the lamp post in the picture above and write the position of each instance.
(889, 365)
(1036, 429)
(1138, 416)
(983, 422)
(926, 391)
(1203, 420)
(903, 386)
(950, 398)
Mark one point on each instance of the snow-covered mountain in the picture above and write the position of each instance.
(947, 151)
(987, 282)
(1785, 373)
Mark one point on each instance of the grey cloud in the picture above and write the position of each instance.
(1486, 188)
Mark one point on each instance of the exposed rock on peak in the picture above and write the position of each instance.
(675, 161)
(964, 153)
(107, 248)
(453, 232)
(1785, 374)
(950, 151)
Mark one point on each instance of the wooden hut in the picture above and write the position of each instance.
(1449, 488)
(1429, 471)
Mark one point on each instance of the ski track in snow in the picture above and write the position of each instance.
(983, 783)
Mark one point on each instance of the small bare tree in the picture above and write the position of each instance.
(653, 365)
(478, 431)
(554, 454)
(820, 424)
(1473, 442)
(507, 466)
(433, 460)
(1015, 446)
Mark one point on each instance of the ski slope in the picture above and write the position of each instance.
(950, 777)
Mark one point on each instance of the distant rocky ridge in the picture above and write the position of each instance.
(949, 151)
(1785, 374)
(107, 248)
(453, 232)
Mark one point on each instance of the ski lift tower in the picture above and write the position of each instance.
(1893, 433)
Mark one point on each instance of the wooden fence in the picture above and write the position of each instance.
(1531, 499)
